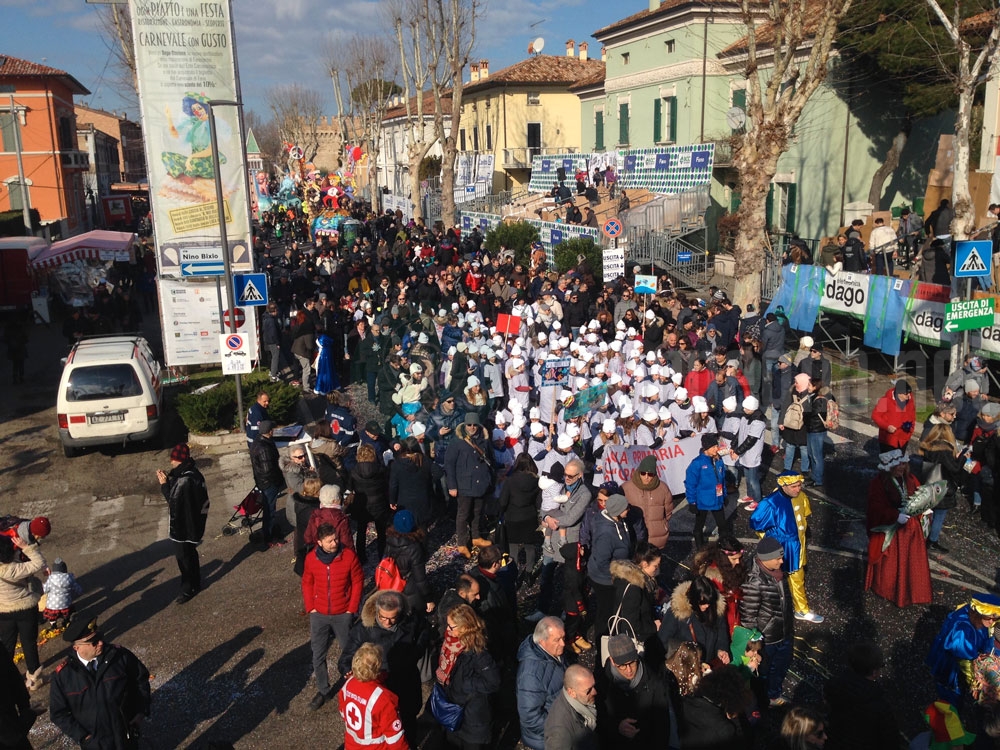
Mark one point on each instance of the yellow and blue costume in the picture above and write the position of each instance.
(958, 643)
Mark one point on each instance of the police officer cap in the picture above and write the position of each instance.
(80, 629)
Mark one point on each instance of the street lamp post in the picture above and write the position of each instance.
(223, 237)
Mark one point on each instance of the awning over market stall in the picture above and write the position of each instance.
(96, 245)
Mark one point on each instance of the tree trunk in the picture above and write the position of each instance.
(888, 166)
(415, 157)
(449, 150)
(749, 245)
(965, 212)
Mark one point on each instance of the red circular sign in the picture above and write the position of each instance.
(241, 318)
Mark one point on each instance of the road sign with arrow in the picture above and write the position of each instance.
(969, 315)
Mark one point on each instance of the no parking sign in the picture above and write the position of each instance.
(235, 351)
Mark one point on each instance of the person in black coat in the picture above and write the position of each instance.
(469, 677)
(497, 606)
(370, 483)
(100, 693)
(767, 606)
(697, 612)
(633, 704)
(405, 544)
(187, 498)
(411, 482)
(16, 715)
(469, 468)
(266, 464)
(635, 599)
(711, 714)
(520, 500)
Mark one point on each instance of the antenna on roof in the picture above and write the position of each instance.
(536, 47)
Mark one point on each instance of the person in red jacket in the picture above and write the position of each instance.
(332, 582)
(700, 377)
(896, 417)
(370, 711)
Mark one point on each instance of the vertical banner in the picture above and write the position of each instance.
(185, 57)
(614, 263)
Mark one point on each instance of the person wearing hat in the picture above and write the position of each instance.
(898, 569)
(973, 369)
(20, 591)
(405, 543)
(610, 541)
(705, 488)
(783, 516)
(767, 607)
(633, 705)
(653, 499)
(985, 449)
(265, 462)
(780, 383)
(186, 494)
(895, 415)
(748, 448)
(100, 694)
(816, 365)
(468, 467)
(60, 588)
(964, 635)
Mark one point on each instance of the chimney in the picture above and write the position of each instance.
(570, 48)
(604, 54)
(475, 72)
(583, 50)
(654, 4)
(484, 69)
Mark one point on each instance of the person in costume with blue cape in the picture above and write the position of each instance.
(964, 635)
(327, 379)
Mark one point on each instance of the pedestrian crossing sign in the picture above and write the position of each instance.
(250, 289)
(973, 258)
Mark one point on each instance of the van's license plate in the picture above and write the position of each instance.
(110, 416)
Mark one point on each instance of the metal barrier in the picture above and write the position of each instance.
(690, 266)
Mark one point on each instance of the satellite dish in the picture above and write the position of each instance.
(736, 118)
(536, 47)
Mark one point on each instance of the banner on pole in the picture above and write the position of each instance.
(672, 461)
(554, 371)
(614, 263)
(185, 57)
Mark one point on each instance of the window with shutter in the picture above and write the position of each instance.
(740, 100)
(623, 124)
(7, 131)
(599, 130)
(489, 137)
(475, 140)
(790, 203)
(672, 121)
(461, 139)
(657, 120)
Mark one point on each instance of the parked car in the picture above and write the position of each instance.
(110, 393)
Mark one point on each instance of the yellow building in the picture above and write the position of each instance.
(522, 111)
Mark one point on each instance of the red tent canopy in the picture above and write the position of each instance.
(96, 245)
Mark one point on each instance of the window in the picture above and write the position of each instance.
(7, 131)
(780, 206)
(102, 382)
(66, 133)
(669, 46)
(15, 193)
(599, 130)
(461, 139)
(740, 100)
(489, 137)
(625, 58)
(665, 119)
(475, 140)
(623, 124)
(534, 98)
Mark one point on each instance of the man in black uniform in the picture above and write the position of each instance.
(100, 694)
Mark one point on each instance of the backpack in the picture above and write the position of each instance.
(794, 415)
(388, 577)
(832, 414)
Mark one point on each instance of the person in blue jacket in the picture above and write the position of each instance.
(964, 635)
(705, 488)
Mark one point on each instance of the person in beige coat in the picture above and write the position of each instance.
(645, 491)
(20, 591)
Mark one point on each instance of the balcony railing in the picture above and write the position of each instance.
(520, 158)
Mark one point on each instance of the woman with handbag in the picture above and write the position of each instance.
(464, 680)
(637, 596)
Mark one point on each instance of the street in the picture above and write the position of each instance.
(233, 665)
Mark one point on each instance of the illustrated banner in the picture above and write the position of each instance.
(184, 57)
(672, 460)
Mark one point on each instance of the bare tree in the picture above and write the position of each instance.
(779, 83)
(115, 28)
(296, 111)
(450, 29)
(367, 65)
(416, 72)
(964, 71)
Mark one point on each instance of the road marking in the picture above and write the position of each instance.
(35, 508)
(103, 526)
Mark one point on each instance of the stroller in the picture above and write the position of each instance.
(249, 512)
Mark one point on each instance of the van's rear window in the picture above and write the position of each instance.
(102, 381)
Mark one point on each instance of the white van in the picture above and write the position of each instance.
(110, 393)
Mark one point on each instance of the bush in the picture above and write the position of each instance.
(516, 237)
(215, 409)
(567, 252)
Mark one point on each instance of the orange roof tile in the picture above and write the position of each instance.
(979, 23)
(665, 7)
(400, 110)
(15, 67)
(541, 69)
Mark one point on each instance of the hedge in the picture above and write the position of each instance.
(215, 409)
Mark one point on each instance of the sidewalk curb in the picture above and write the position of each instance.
(210, 441)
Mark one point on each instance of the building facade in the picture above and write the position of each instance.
(127, 134)
(38, 123)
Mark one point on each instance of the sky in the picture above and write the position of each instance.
(283, 41)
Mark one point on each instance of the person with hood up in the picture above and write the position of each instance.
(782, 516)
(405, 543)
(895, 415)
(611, 541)
(653, 498)
(705, 488)
(187, 498)
(697, 611)
(469, 470)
